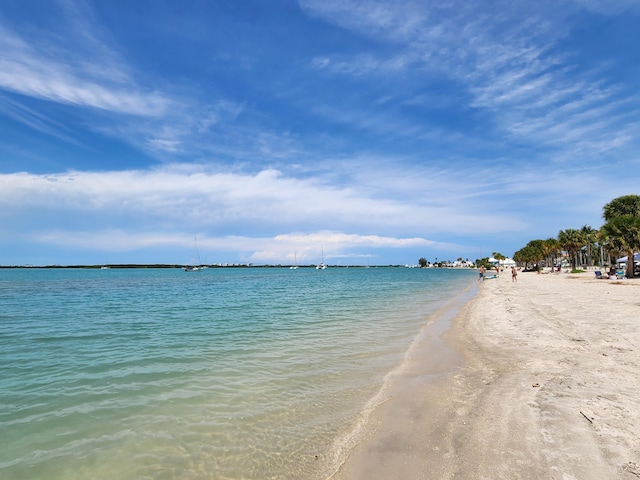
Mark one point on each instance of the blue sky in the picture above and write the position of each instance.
(377, 132)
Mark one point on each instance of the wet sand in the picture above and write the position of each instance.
(534, 379)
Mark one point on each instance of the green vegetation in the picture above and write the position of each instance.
(484, 262)
(619, 236)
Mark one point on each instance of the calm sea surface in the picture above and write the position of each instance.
(247, 373)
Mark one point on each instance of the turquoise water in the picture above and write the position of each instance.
(247, 373)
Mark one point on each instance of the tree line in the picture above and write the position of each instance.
(619, 236)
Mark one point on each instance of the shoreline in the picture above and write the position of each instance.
(385, 445)
(547, 388)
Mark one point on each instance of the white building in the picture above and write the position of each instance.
(506, 263)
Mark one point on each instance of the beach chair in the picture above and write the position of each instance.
(598, 274)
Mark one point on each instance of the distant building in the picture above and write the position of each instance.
(507, 262)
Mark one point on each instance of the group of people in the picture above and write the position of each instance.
(483, 271)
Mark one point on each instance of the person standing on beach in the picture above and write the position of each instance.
(481, 274)
(514, 274)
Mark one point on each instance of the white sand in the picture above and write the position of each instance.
(549, 388)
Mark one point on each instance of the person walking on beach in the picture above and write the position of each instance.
(481, 274)
(514, 274)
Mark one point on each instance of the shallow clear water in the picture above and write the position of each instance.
(249, 373)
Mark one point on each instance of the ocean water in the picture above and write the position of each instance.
(234, 373)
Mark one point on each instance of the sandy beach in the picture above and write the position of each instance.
(534, 379)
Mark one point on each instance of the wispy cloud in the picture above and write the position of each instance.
(376, 19)
(36, 120)
(38, 69)
(79, 66)
(506, 59)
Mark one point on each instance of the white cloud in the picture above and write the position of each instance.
(187, 197)
(303, 247)
(31, 69)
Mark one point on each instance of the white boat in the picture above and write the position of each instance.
(194, 268)
(295, 262)
(322, 266)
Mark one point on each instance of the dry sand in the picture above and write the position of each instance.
(545, 384)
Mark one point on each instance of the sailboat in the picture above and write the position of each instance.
(295, 262)
(194, 268)
(322, 266)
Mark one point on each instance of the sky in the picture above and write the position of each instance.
(290, 131)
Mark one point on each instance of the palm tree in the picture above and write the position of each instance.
(622, 215)
(606, 248)
(624, 235)
(589, 237)
(625, 205)
(571, 240)
(550, 249)
(531, 253)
